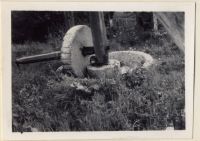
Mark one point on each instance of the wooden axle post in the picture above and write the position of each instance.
(99, 37)
(39, 58)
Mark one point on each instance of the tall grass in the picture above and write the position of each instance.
(44, 100)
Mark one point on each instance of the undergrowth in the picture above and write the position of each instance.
(44, 100)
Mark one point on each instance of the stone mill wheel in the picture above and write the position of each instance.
(74, 40)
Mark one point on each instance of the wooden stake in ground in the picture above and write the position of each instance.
(155, 22)
(99, 37)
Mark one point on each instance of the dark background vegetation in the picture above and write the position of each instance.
(45, 100)
(37, 25)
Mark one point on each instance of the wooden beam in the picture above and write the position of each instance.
(173, 22)
(99, 36)
(39, 58)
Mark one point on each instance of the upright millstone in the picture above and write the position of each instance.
(74, 41)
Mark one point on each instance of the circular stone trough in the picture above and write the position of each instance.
(132, 59)
(121, 62)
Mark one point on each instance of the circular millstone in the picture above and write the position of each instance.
(132, 59)
(105, 71)
(121, 62)
(75, 39)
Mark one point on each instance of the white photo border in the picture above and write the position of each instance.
(187, 7)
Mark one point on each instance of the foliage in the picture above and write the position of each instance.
(40, 26)
(44, 100)
(35, 25)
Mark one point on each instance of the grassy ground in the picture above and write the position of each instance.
(43, 100)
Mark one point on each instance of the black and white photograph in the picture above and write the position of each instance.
(100, 70)
(111, 71)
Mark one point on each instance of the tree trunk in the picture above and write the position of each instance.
(69, 19)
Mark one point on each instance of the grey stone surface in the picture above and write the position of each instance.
(75, 38)
(107, 71)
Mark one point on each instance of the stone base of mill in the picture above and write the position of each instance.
(106, 71)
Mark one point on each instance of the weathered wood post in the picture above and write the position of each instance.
(155, 22)
(99, 37)
(174, 24)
